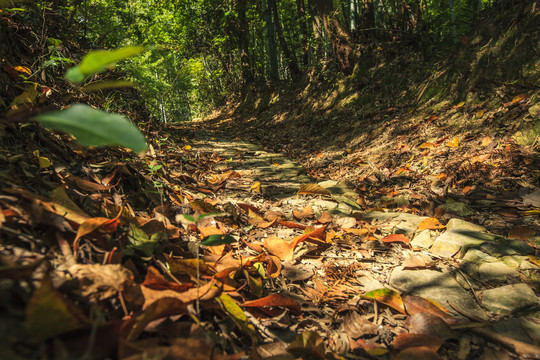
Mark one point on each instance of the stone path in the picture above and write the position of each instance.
(477, 274)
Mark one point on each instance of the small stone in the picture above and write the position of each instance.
(423, 240)
(464, 225)
(509, 299)
(476, 256)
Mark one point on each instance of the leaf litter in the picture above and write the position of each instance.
(188, 250)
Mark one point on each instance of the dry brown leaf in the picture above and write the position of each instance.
(521, 233)
(418, 261)
(407, 340)
(99, 282)
(306, 212)
(205, 292)
(278, 247)
(325, 218)
(313, 189)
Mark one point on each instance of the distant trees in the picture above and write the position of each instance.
(210, 48)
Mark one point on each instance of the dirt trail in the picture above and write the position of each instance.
(472, 274)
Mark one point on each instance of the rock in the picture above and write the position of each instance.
(490, 271)
(436, 285)
(535, 111)
(532, 199)
(458, 208)
(323, 205)
(509, 299)
(422, 240)
(464, 225)
(464, 236)
(477, 257)
(394, 222)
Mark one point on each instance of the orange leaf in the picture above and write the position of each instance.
(89, 226)
(535, 260)
(292, 225)
(479, 158)
(395, 238)
(453, 143)
(315, 234)
(305, 212)
(204, 292)
(486, 141)
(278, 247)
(325, 218)
(209, 230)
(431, 224)
(426, 145)
(276, 300)
(518, 98)
(407, 340)
(154, 280)
(387, 297)
(432, 118)
(466, 189)
(442, 176)
(479, 113)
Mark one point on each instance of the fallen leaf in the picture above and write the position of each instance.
(278, 247)
(432, 118)
(372, 349)
(426, 145)
(521, 233)
(49, 313)
(205, 292)
(415, 304)
(535, 260)
(486, 141)
(256, 186)
(154, 280)
(479, 158)
(430, 224)
(518, 98)
(104, 225)
(395, 238)
(479, 113)
(306, 212)
(237, 314)
(308, 345)
(99, 282)
(407, 340)
(453, 143)
(278, 300)
(187, 147)
(418, 352)
(313, 189)
(387, 297)
(315, 234)
(292, 225)
(356, 325)
(325, 218)
(466, 189)
(417, 261)
(460, 104)
(162, 307)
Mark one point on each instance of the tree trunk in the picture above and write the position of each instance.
(271, 36)
(243, 40)
(301, 11)
(338, 37)
(292, 64)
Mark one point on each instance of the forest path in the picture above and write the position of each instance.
(473, 274)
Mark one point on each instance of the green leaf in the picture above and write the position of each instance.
(215, 240)
(98, 61)
(94, 127)
(138, 240)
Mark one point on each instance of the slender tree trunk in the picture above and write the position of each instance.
(301, 11)
(271, 36)
(243, 40)
(289, 56)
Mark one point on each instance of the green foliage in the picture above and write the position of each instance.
(98, 61)
(94, 127)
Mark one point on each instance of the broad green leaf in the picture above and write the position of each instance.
(138, 240)
(103, 85)
(98, 61)
(215, 240)
(94, 127)
(236, 313)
